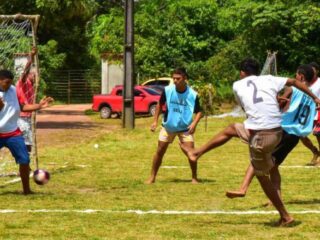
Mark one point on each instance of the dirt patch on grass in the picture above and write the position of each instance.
(62, 125)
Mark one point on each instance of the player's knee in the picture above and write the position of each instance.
(23, 160)
(231, 130)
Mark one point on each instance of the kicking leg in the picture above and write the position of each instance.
(218, 140)
(157, 160)
(244, 186)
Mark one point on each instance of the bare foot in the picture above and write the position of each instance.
(190, 152)
(315, 160)
(194, 181)
(28, 192)
(317, 163)
(285, 222)
(235, 194)
(150, 181)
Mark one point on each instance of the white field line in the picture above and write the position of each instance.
(172, 167)
(312, 167)
(156, 212)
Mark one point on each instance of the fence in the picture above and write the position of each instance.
(74, 86)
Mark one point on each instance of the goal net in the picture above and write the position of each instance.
(17, 37)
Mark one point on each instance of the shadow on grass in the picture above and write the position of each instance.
(19, 193)
(65, 169)
(177, 180)
(11, 192)
(269, 206)
(276, 224)
(66, 125)
(272, 223)
(310, 201)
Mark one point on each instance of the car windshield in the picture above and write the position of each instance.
(151, 91)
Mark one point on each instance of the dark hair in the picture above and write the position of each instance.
(250, 66)
(315, 65)
(182, 71)
(6, 74)
(307, 71)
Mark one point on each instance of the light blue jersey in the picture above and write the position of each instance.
(298, 119)
(180, 107)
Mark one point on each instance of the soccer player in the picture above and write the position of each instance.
(25, 92)
(262, 129)
(297, 121)
(315, 88)
(10, 134)
(180, 103)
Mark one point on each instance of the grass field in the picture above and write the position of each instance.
(110, 180)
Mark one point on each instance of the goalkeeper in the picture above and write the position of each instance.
(25, 93)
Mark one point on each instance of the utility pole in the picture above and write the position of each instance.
(128, 85)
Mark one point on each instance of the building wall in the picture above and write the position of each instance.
(111, 75)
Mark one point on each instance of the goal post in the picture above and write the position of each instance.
(270, 64)
(18, 33)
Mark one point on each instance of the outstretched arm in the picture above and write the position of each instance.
(284, 99)
(304, 88)
(44, 103)
(28, 65)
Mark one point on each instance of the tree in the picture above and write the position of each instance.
(166, 34)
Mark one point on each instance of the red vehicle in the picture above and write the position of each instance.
(145, 101)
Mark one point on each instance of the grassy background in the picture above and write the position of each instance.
(111, 178)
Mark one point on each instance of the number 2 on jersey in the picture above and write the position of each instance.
(255, 99)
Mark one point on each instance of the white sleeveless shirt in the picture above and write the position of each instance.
(9, 114)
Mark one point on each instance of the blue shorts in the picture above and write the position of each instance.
(17, 148)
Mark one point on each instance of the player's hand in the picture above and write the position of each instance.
(153, 126)
(282, 99)
(45, 102)
(1, 103)
(34, 51)
(192, 128)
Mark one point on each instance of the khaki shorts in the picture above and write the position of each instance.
(261, 146)
(165, 136)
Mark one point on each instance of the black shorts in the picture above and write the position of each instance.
(286, 145)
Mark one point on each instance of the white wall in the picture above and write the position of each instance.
(112, 75)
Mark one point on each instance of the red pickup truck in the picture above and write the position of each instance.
(145, 101)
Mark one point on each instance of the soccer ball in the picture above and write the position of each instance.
(41, 176)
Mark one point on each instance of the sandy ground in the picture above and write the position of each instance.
(60, 117)
(62, 124)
